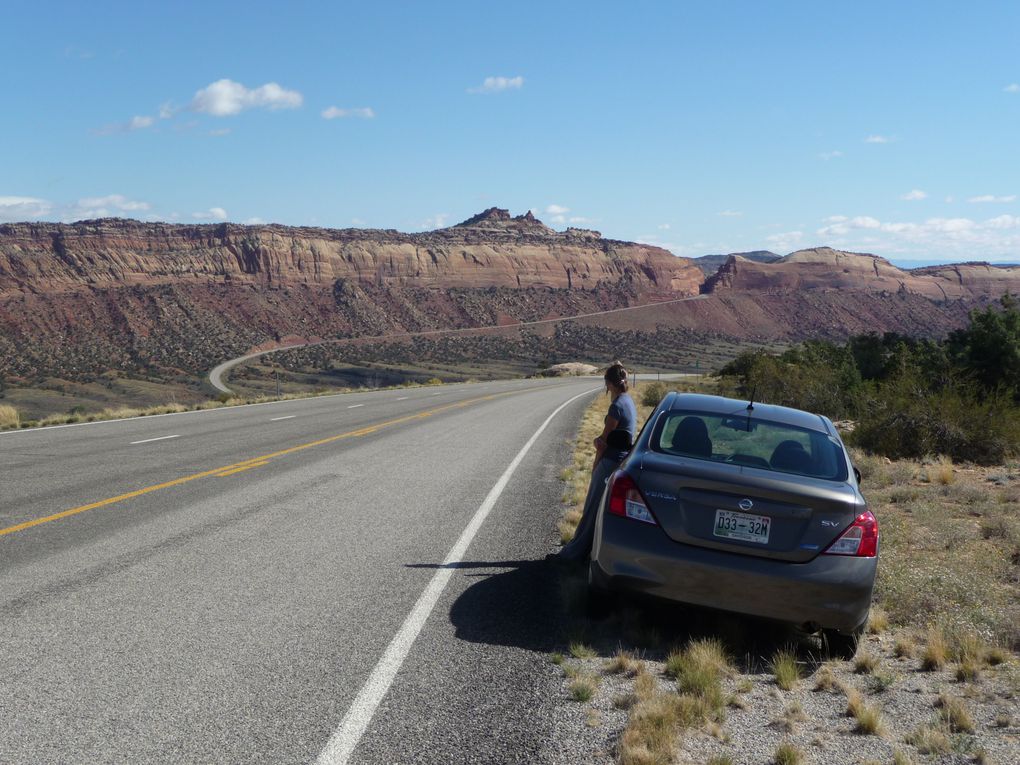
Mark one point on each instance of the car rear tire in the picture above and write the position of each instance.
(840, 645)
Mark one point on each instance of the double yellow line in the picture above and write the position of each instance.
(239, 467)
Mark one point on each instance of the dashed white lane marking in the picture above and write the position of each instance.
(403, 398)
(288, 417)
(355, 406)
(346, 737)
(150, 440)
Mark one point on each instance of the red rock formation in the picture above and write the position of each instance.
(824, 268)
(489, 250)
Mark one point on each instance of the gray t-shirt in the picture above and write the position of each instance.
(625, 413)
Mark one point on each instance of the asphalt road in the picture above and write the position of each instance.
(261, 581)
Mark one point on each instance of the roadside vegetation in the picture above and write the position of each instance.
(937, 676)
(908, 398)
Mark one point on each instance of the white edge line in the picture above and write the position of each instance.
(150, 440)
(355, 406)
(403, 398)
(347, 735)
(288, 417)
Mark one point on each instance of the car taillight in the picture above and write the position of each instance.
(860, 540)
(626, 501)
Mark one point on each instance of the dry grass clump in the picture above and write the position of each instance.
(905, 647)
(878, 621)
(652, 730)
(900, 757)
(954, 713)
(582, 651)
(720, 759)
(792, 715)
(568, 525)
(9, 417)
(624, 663)
(868, 716)
(930, 739)
(582, 688)
(866, 663)
(698, 671)
(825, 678)
(788, 754)
(936, 651)
(786, 669)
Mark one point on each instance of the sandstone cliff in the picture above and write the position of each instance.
(824, 268)
(489, 250)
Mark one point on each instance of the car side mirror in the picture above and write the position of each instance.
(857, 475)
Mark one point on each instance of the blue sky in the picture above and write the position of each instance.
(704, 127)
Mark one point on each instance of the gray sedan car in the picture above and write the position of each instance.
(742, 507)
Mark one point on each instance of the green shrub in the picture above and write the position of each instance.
(654, 393)
(903, 419)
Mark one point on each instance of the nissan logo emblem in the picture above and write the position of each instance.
(745, 504)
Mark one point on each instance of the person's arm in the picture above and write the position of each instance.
(600, 440)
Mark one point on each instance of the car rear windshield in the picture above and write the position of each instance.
(742, 440)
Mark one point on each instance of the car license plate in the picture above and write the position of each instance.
(742, 526)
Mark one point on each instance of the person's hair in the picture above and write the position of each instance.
(617, 375)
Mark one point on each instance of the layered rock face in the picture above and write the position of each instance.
(824, 268)
(490, 250)
(150, 297)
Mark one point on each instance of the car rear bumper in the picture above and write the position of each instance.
(831, 591)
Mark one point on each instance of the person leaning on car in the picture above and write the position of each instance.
(611, 446)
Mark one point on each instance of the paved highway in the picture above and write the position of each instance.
(354, 578)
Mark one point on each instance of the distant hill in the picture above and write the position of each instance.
(154, 302)
(709, 264)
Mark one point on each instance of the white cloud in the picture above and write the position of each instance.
(498, 85)
(786, 241)
(914, 195)
(1004, 221)
(166, 111)
(334, 112)
(112, 201)
(23, 208)
(137, 123)
(556, 213)
(950, 199)
(111, 205)
(1013, 87)
(580, 220)
(213, 213)
(730, 214)
(664, 227)
(254, 221)
(992, 198)
(827, 155)
(436, 221)
(357, 222)
(225, 98)
(933, 238)
(220, 132)
(878, 139)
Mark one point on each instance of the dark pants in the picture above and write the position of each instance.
(579, 548)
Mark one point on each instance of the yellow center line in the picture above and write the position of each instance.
(241, 469)
(245, 464)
